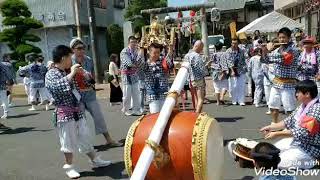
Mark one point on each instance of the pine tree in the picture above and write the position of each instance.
(136, 6)
(18, 21)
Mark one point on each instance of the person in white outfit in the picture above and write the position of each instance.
(36, 71)
(256, 73)
(238, 67)
(131, 60)
(219, 73)
(5, 76)
(68, 118)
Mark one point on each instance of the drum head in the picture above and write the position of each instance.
(215, 155)
(207, 149)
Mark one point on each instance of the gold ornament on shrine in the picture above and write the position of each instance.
(157, 33)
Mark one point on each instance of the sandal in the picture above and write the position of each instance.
(2, 126)
(114, 144)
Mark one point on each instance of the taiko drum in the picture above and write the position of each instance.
(193, 142)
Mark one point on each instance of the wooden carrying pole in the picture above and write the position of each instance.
(147, 155)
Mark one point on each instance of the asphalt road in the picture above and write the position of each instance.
(30, 151)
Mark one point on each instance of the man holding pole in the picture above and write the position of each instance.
(285, 60)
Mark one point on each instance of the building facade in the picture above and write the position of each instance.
(241, 11)
(59, 19)
(303, 11)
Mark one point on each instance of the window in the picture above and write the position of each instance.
(119, 4)
(100, 4)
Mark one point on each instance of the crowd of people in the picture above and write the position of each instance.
(279, 72)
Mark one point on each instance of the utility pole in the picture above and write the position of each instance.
(92, 28)
(204, 32)
(76, 11)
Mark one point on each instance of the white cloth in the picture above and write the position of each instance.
(113, 69)
(237, 87)
(267, 89)
(258, 94)
(73, 136)
(94, 109)
(293, 156)
(131, 91)
(42, 92)
(285, 96)
(4, 100)
(220, 85)
(155, 106)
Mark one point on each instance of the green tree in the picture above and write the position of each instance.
(18, 21)
(115, 39)
(136, 6)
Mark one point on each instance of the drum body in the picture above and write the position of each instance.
(194, 144)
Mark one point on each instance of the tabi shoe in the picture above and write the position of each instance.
(98, 162)
(71, 171)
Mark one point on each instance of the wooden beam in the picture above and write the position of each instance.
(175, 9)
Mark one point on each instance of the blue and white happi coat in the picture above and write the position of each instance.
(36, 73)
(130, 63)
(157, 79)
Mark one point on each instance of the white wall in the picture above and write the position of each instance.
(278, 4)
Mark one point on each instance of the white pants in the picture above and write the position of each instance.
(94, 109)
(219, 86)
(285, 96)
(131, 91)
(258, 94)
(4, 100)
(73, 136)
(42, 92)
(267, 89)
(155, 106)
(237, 87)
(27, 90)
(249, 86)
(293, 156)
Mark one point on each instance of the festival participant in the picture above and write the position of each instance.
(309, 66)
(238, 67)
(70, 121)
(156, 77)
(197, 73)
(114, 80)
(220, 71)
(36, 72)
(86, 82)
(6, 60)
(5, 76)
(266, 157)
(256, 73)
(301, 134)
(285, 59)
(131, 60)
